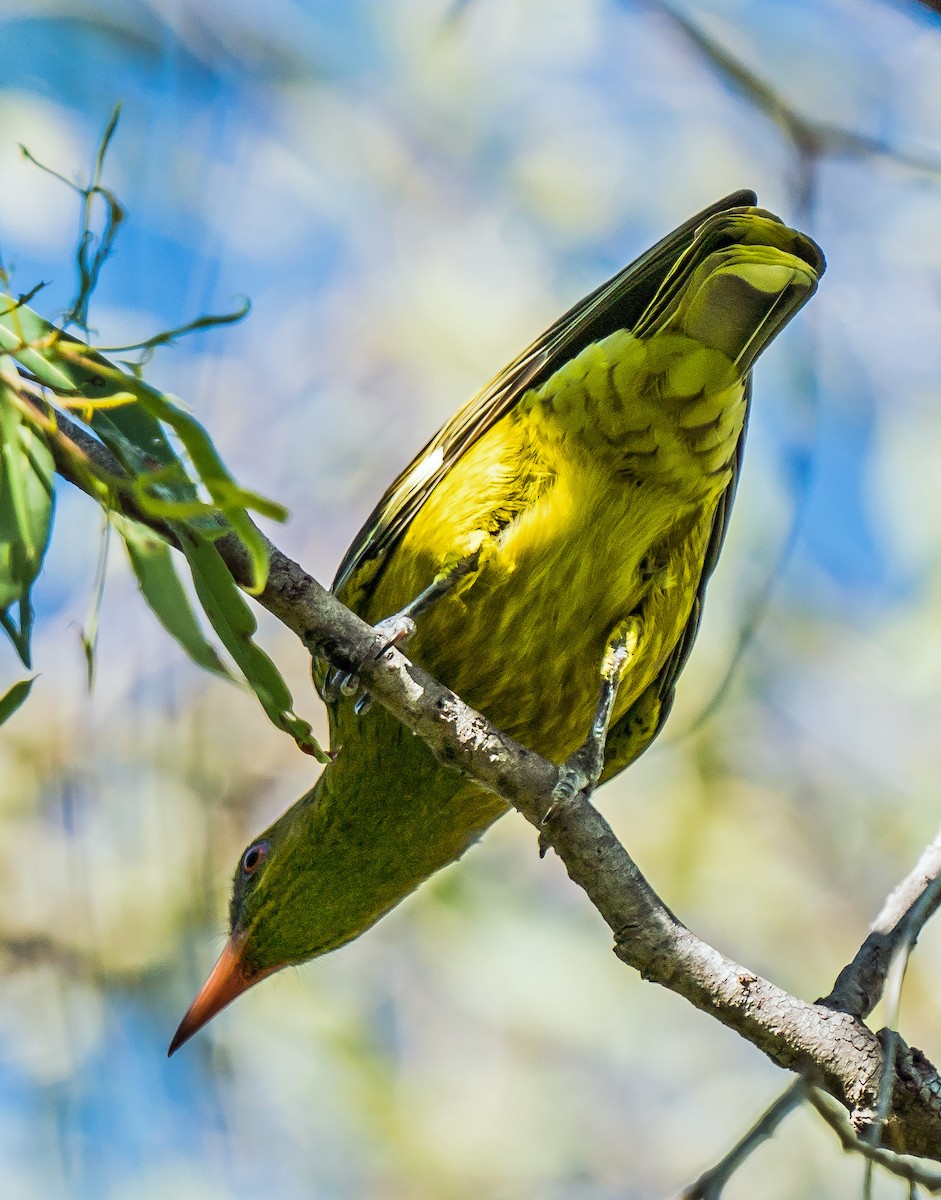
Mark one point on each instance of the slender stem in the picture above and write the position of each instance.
(710, 1184)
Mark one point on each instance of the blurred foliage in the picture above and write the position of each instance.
(409, 193)
(45, 371)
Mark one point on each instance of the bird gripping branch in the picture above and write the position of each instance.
(566, 519)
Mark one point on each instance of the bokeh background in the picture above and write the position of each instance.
(409, 192)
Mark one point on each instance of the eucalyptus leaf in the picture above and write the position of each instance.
(26, 508)
(26, 493)
(14, 697)
(235, 624)
(160, 585)
(193, 493)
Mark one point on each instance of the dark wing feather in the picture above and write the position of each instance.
(617, 304)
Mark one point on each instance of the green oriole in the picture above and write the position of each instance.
(586, 489)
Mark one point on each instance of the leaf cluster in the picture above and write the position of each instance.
(163, 473)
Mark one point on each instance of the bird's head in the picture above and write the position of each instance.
(305, 886)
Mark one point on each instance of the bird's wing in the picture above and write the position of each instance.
(630, 736)
(617, 304)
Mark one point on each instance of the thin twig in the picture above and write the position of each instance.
(902, 1165)
(813, 139)
(710, 1184)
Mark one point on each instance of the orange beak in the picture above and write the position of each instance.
(230, 977)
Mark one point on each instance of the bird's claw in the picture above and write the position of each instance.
(394, 631)
(578, 775)
(331, 686)
(349, 685)
(341, 683)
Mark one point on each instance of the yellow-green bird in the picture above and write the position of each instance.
(552, 545)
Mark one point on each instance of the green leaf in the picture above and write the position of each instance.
(194, 493)
(72, 368)
(19, 634)
(131, 416)
(26, 507)
(167, 336)
(235, 624)
(160, 585)
(232, 494)
(132, 426)
(12, 700)
(27, 492)
(227, 496)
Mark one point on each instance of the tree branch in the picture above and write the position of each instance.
(911, 903)
(826, 1045)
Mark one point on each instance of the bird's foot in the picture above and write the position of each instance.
(398, 629)
(579, 774)
(394, 631)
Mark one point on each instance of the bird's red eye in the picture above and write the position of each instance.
(254, 856)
